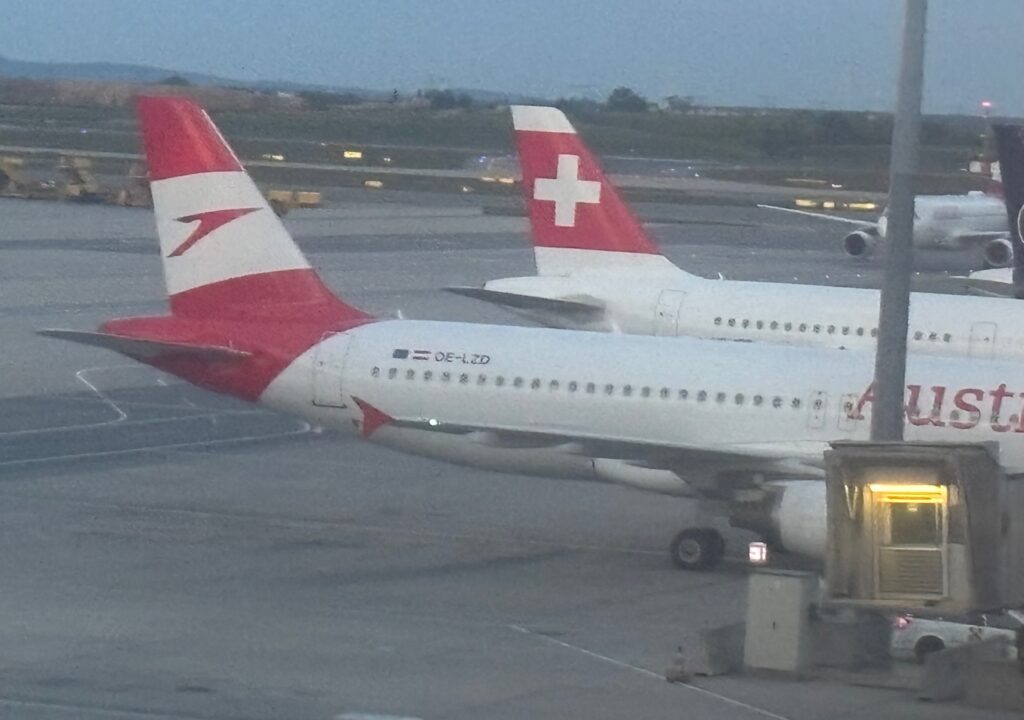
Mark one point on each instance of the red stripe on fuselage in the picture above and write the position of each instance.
(274, 316)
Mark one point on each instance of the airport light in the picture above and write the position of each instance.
(937, 491)
(757, 553)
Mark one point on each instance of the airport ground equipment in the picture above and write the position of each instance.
(283, 201)
(779, 610)
(136, 193)
(14, 183)
(80, 183)
(927, 528)
(12, 179)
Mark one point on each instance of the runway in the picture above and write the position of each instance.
(168, 553)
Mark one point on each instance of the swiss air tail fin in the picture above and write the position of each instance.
(578, 221)
(225, 253)
(1010, 147)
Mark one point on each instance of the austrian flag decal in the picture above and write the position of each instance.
(403, 354)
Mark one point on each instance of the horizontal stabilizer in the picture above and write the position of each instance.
(774, 459)
(979, 286)
(997, 282)
(528, 302)
(144, 349)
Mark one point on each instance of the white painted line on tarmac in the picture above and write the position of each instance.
(119, 410)
(649, 673)
(121, 415)
(305, 428)
(79, 711)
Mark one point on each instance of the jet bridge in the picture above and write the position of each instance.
(931, 528)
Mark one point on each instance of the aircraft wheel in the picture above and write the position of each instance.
(697, 549)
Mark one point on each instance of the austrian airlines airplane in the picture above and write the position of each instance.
(742, 426)
(597, 269)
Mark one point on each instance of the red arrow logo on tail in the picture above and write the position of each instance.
(208, 222)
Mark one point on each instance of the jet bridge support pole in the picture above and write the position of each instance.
(891, 355)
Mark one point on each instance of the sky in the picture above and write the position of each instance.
(788, 53)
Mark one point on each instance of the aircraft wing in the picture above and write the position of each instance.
(144, 349)
(967, 239)
(823, 216)
(789, 459)
(529, 302)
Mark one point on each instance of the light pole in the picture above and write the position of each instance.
(893, 316)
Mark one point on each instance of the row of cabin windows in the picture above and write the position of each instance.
(827, 329)
(588, 388)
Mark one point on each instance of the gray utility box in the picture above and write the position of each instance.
(779, 608)
(926, 527)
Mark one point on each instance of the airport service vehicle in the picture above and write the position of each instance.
(941, 222)
(597, 269)
(914, 638)
(741, 426)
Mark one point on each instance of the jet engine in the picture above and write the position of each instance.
(860, 243)
(998, 253)
(789, 515)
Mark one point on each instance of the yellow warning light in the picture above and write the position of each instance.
(934, 493)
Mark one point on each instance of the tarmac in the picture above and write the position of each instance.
(168, 553)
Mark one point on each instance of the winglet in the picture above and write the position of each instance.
(373, 419)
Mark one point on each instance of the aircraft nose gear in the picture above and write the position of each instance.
(697, 548)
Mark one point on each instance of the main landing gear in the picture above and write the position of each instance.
(697, 549)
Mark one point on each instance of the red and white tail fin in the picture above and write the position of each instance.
(224, 251)
(577, 219)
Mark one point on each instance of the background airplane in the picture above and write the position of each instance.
(740, 426)
(597, 269)
(941, 222)
(1006, 282)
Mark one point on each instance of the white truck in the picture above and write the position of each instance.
(913, 638)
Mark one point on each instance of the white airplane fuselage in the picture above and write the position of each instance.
(664, 300)
(633, 392)
(954, 221)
